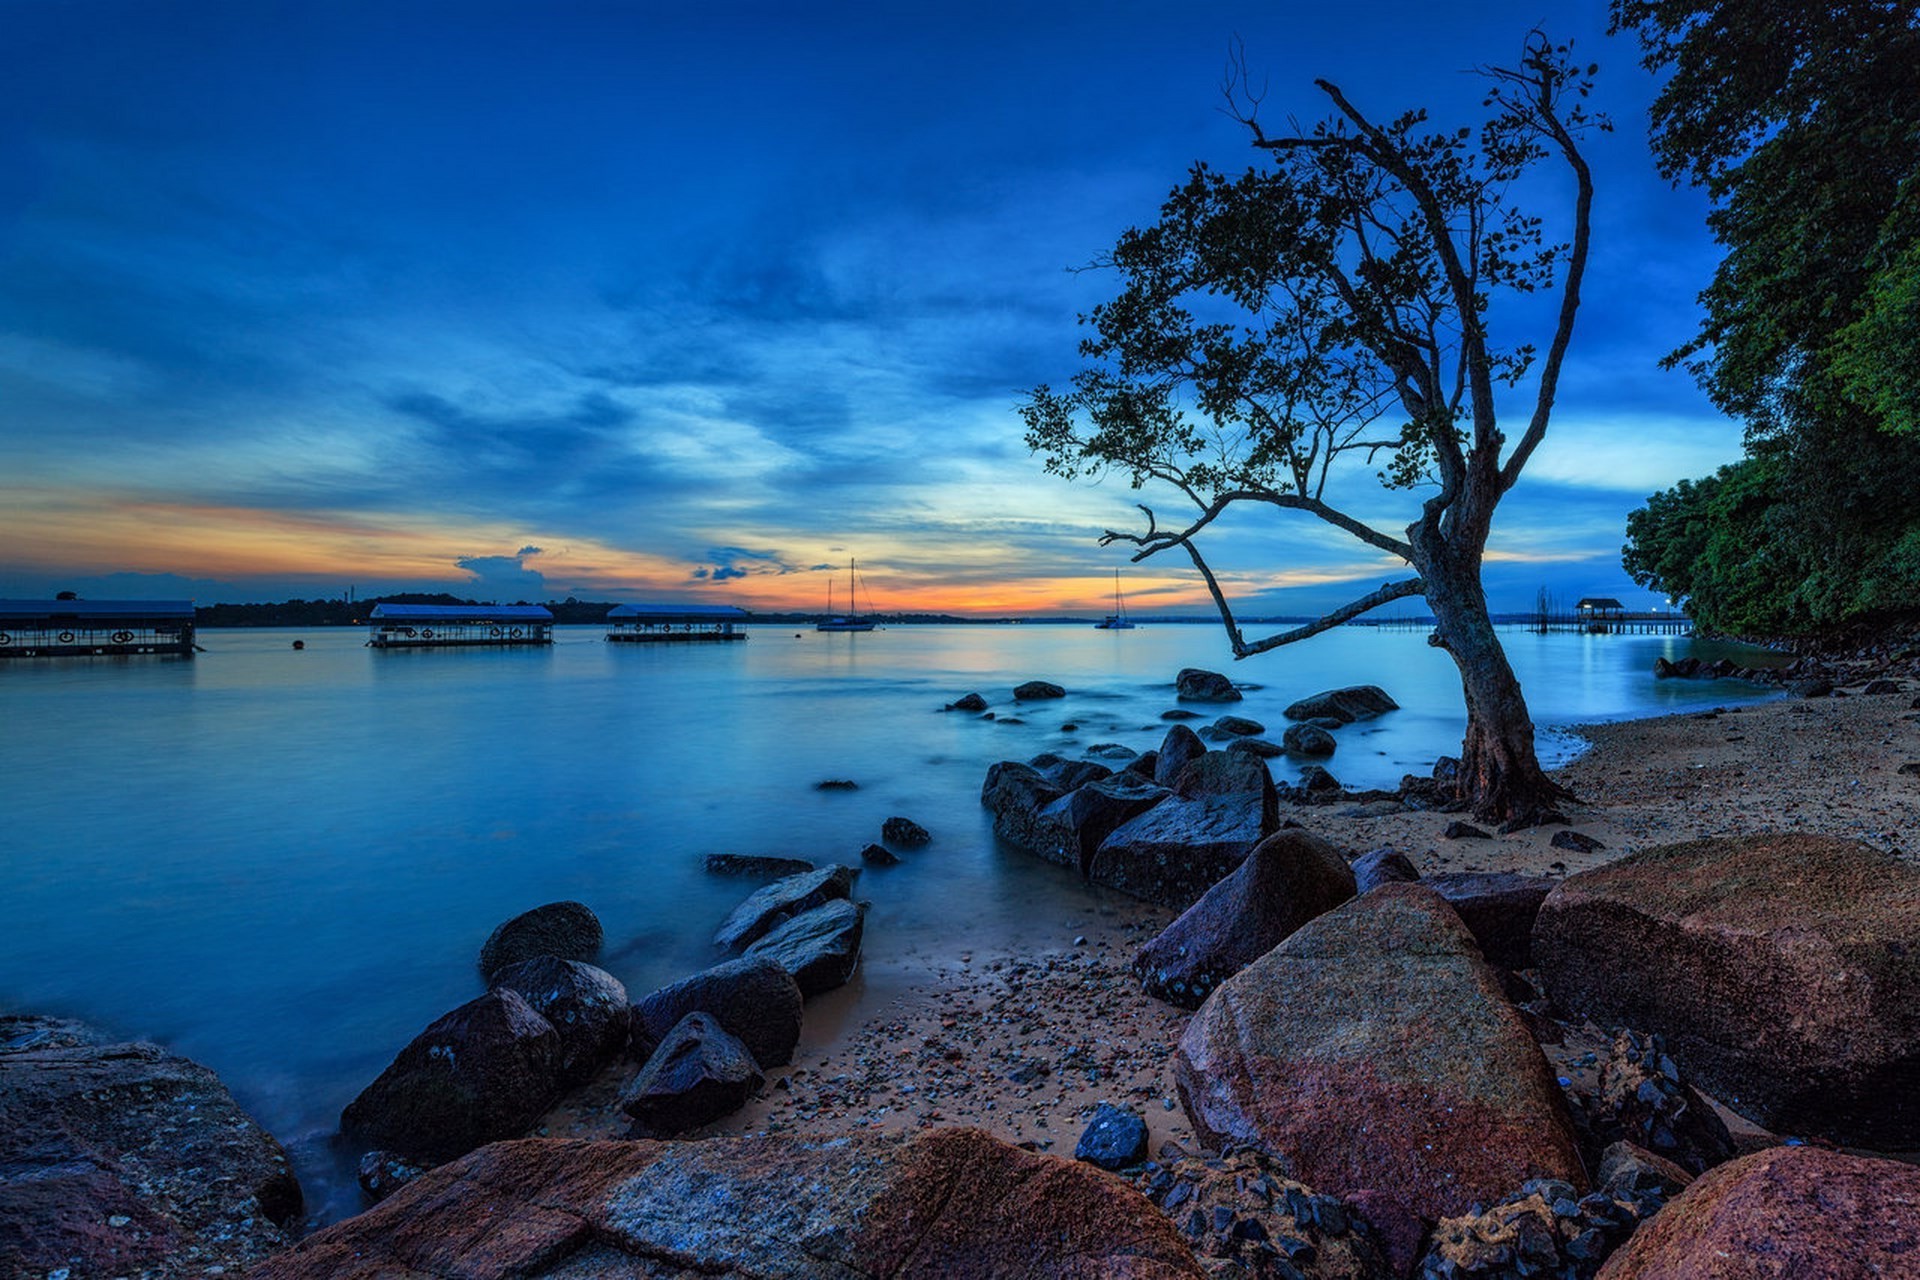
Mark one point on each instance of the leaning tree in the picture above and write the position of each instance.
(1323, 317)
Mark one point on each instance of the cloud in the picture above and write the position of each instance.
(506, 575)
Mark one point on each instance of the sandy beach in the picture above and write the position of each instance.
(1025, 1044)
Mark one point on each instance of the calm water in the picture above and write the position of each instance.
(282, 863)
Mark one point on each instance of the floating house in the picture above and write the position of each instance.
(675, 622)
(1600, 608)
(445, 626)
(89, 628)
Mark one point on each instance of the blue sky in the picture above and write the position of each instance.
(650, 301)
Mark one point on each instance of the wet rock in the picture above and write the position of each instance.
(782, 900)
(1383, 866)
(1258, 747)
(1078, 822)
(879, 855)
(1180, 748)
(1071, 774)
(1114, 1138)
(1015, 794)
(1463, 831)
(1226, 773)
(754, 865)
(1782, 971)
(1307, 740)
(1576, 842)
(1116, 751)
(1374, 1052)
(1038, 690)
(382, 1173)
(1289, 878)
(837, 784)
(1814, 688)
(1178, 849)
(1356, 702)
(1180, 713)
(568, 930)
(696, 1075)
(968, 702)
(484, 1071)
(1499, 908)
(1316, 781)
(1882, 686)
(1195, 685)
(587, 1007)
(1239, 726)
(1785, 1211)
(754, 998)
(1643, 1100)
(819, 947)
(946, 1204)
(904, 832)
(120, 1159)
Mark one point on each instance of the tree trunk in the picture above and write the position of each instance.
(1500, 777)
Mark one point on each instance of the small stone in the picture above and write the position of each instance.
(880, 856)
(1577, 841)
(118, 1220)
(904, 831)
(1457, 830)
(1113, 1139)
(837, 784)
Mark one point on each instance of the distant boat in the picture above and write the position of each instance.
(849, 621)
(1117, 620)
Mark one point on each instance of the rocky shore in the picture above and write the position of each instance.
(1294, 1032)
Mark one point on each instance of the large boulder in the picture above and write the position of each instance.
(568, 930)
(1177, 850)
(1071, 829)
(783, 900)
(1780, 1213)
(1226, 773)
(698, 1074)
(484, 1071)
(120, 1159)
(1181, 747)
(1783, 972)
(1499, 908)
(1290, 878)
(819, 947)
(1356, 702)
(1383, 866)
(945, 1204)
(1015, 793)
(587, 1007)
(754, 998)
(1374, 1052)
(1195, 685)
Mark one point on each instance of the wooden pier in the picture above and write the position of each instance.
(458, 626)
(674, 623)
(96, 628)
(1604, 616)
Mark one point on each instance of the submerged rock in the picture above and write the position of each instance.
(749, 864)
(1037, 691)
(968, 702)
(904, 832)
(1356, 702)
(1307, 740)
(568, 930)
(1195, 685)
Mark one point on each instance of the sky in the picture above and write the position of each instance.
(648, 301)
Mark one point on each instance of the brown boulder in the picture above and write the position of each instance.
(1783, 972)
(1499, 908)
(946, 1204)
(1786, 1213)
(1375, 1054)
(1290, 877)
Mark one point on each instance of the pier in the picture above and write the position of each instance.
(452, 626)
(1603, 615)
(674, 623)
(95, 628)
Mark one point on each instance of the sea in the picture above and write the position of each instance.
(280, 858)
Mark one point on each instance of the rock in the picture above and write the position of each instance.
(1458, 830)
(1195, 685)
(1226, 773)
(880, 856)
(837, 784)
(1069, 774)
(1306, 740)
(819, 947)
(1078, 822)
(1783, 1212)
(484, 1071)
(1180, 713)
(1910, 769)
(1239, 726)
(904, 832)
(1383, 866)
(1144, 765)
(968, 702)
(1446, 771)
(1626, 1167)
(754, 998)
(1525, 821)
(1782, 971)
(1545, 1229)
(1114, 1139)
(782, 900)
(747, 864)
(1178, 849)
(1814, 688)
(1374, 1053)
(1180, 748)
(1576, 842)
(1499, 909)
(1037, 690)
(1882, 686)
(696, 1075)
(565, 929)
(1291, 877)
(382, 1173)
(587, 1007)
(1258, 747)
(1316, 781)
(120, 1159)
(943, 1204)
(1015, 794)
(1643, 1101)
(1356, 702)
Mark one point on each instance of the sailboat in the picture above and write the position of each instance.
(849, 621)
(1117, 620)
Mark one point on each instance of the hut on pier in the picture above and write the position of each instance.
(450, 626)
(648, 623)
(95, 628)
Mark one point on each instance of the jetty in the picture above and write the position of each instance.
(1603, 615)
(95, 628)
(449, 626)
(674, 623)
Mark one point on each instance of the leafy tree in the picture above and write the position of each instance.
(1284, 330)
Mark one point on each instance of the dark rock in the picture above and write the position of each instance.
(1528, 821)
(1642, 1100)
(564, 929)
(1038, 690)
(1016, 794)
(748, 864)
(1078, 822)
(1180, 748)
(1144, 765)
(943, 1204)
(1112, 751)
(120, 1159)
(1910, 769)
(1383, 866)
(1374, 1053)
(782, 900)
(819, 947)
(1814, 688)
(1783, 1212)
(587, 1007)
(1499, 909)
(904, 832)
(1225, 773)
(698, 1074)
(880, 856)
(1114, 1139)
(1446, 771)
(968, 702)
(1544, 1229)
(1356, 702)
(1291, 877)
(1315, 780)
(754, 998)
(1195, 685)
(1463, 831)
(1882, 686)
(484, 1071)
(1180, 713)
(1576, 841)
(1306, 740)
(1069, 774)
(1239, 726)
(1424, 794)
(1258, 747)
(1626, 1169)
(382, 1173)
(1178, 849)
(1782, 971)
(837, 784)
